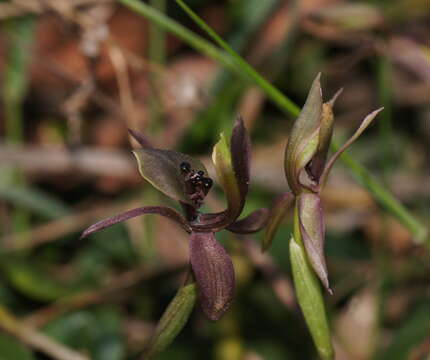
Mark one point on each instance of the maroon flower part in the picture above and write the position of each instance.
(306, 170)
(186, 180)
(216, 287)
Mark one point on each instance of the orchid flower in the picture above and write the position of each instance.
(186, 180)
(306, 170)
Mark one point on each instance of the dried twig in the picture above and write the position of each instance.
(125, 93)
(35, 339)
(85, 161)
(55, 229)
(118, 285)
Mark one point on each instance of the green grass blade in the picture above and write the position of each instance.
(280, 99)
(180, 31)
(20, 36)
(34, 200)
(386, 199)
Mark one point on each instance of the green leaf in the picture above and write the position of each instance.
(37, 201)
(221, 157)
(414, 330)
(21, 35)
(173, 320)
(32, 281)
(310, 299)
(162, 169)
(98, 331)
(13, 349)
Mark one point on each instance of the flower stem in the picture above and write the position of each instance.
(309, 294)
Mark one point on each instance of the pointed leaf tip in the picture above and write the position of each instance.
(214, 273)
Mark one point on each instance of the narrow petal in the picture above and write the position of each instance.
(366, 122)
(173, 320)
(240, 148)
(252, 223)
(160, 210)
(214, 273)
(162, 168)
(280, 207)
(140, 138)
(212, 222)
(303, 139)
(312, 229)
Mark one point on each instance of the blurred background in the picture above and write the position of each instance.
(75, 74)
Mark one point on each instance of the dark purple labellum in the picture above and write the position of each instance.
(214, 273)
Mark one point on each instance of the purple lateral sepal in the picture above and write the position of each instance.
(214, 274)
(159, 210)
(252, 223)
(312, 229)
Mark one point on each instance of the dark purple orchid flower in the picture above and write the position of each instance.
(306, 170)
(186, 180)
